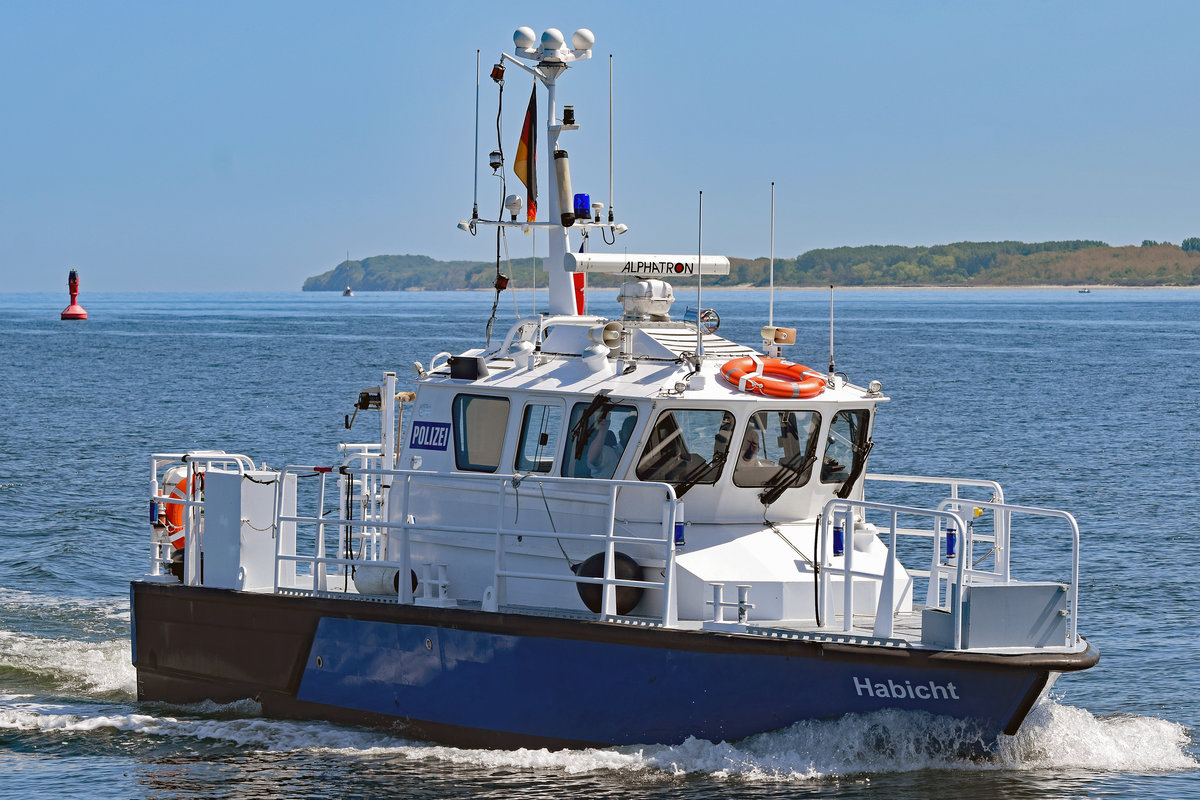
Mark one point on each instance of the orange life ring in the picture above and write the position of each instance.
(174, 511)
(773, 377)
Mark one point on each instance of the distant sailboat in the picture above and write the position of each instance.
(347, 292)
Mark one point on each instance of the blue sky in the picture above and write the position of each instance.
(246, 146)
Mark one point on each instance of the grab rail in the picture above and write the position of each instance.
(886, 605)
(1006, 511)
(399, 484)
(196, 462)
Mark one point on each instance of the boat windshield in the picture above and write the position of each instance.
(686, 447)
(846, 447)
(596, 439)
(778, 445)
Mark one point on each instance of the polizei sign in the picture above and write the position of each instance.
(645, 265)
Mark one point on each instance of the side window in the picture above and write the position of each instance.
(596, 439)
(777, 445)
(686, 446)
(846, 444)
(540, 428)
(479, 425)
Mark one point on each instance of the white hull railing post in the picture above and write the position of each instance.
(670, 612)
(321, 568)
(848, 571)
(608, 607)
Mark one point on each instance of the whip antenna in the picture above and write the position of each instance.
(831, 334)
(771, 301)
(475, 207)
(610, 138)
(699, 281)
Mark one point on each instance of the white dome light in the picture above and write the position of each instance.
(583, 39)
(552, 39)
(524, 38)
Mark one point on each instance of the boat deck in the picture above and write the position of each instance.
(906, 626)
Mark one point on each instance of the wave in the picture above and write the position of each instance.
(18, 600)
(1055, 738)
(100, 668)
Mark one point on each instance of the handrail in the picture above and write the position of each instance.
(196, 462)
(999, 521)
(954, 483)
(885, 607)
(401, 481)
(1007, 510)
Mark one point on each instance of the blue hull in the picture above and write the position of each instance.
(471, 678)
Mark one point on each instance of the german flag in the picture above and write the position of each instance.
(525, 164)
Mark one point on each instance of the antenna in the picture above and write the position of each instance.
(771, 301)
(475, 206)
(610, 138)
(831, 334)
(699, 281)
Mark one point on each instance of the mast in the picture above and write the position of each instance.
(551, 60)
(562, 284)
(548, 60)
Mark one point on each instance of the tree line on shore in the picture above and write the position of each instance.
(1080, 262)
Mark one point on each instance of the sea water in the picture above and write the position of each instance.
(1086, 402)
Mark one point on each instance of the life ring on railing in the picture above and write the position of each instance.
(174, 511)
(773, 377)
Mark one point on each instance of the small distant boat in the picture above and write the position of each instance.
(347, 292)
(1081, 291)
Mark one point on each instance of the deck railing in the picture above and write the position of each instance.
(846, 512)
(195, 463)
(367, 489)
(372, 536)
(953, 560)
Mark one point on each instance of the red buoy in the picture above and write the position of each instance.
(73, 311)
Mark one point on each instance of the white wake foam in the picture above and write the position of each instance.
(116, 609)
(1056, 737)
(103, 667)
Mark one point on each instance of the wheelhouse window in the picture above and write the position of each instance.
(778, 448)
(686, 447)
(846, 446)
(541, 427)
(479, 425)
(597, 436)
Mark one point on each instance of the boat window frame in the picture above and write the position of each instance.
(719, 458)
(856, 448)
(815, 427)
(460, 452)
(570, 461)
(552, 448)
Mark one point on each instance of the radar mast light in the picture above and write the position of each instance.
(524, 38)
(583, 39)
(513, 203)
(552, 47)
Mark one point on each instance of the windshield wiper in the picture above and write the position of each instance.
(693, 477)
(787, 476)
(860, 464)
